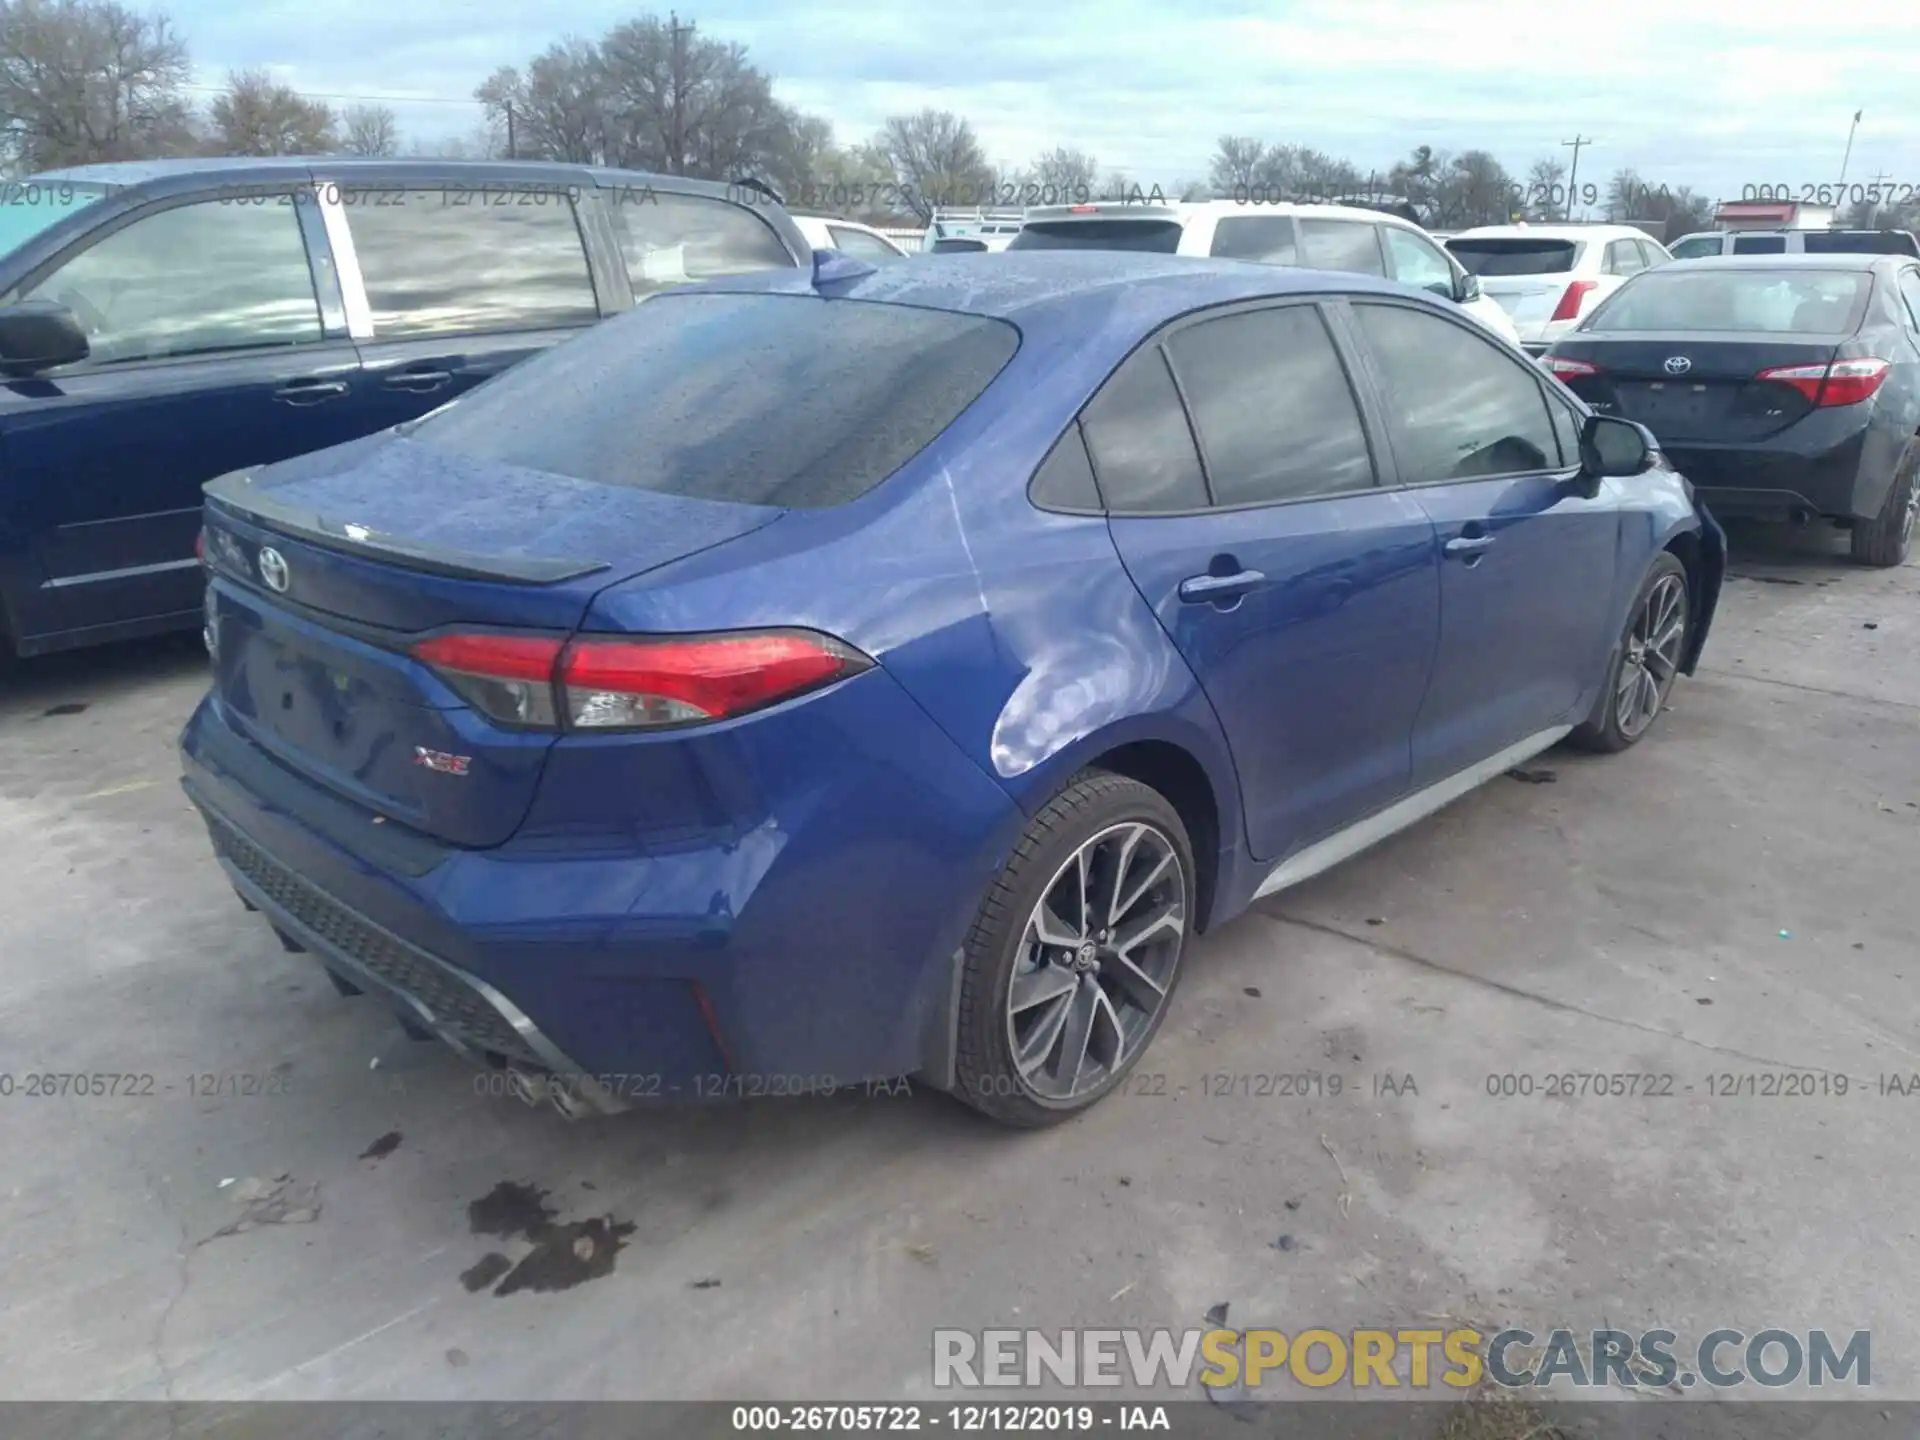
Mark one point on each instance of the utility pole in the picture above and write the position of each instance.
(1849, 151)
(676, 136)
(512, 152)
(1574, 145)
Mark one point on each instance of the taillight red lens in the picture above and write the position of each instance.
(1569, 306)
(619, 683)
(506, 677)
(1844, 382)
(622, 684)
(1570, 369)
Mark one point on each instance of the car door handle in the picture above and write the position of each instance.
(419, 380)
(1468, 547)
(310, 392)
(1203, 589)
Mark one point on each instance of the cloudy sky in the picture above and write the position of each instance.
(1710, 93)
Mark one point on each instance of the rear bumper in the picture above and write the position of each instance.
(1841, 475)
(790, 951)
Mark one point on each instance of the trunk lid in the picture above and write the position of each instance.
(374, 545)
(1714, 397)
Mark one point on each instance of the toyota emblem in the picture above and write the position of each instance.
(1678, 365)
(273, 569)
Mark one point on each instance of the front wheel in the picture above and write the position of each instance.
(1646, 662)
(1074, 953)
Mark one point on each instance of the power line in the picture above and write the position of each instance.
(335, 95)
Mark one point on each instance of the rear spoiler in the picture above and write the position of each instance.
(234, 494)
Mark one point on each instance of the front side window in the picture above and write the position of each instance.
(1695, 246)
(1461, 408)
(1264, 239)
(1418, 261)
(1142, 449)
(1270, 399)
(1348, 245)
(196, 279)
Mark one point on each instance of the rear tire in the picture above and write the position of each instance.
(1887, 539)
(1073, 956)
(1645, 663)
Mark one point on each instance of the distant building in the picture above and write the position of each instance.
(1772, 215)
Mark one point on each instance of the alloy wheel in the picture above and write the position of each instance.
(1096, 961)
(1652, 660)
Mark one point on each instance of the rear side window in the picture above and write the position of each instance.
(784, 400)
(1270, 399)
(1065, 480)
(1503, 255)
(1697, 245)
(454, 262)
(1759, 244)
(1624, 258)
(1159, 237)
(1142, 449)
(670, 239)
(1265, 239)
(1341, 245)
(1859, 242)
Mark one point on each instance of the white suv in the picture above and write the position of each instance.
(863, 242)
(1317, 237)
(1549, 276)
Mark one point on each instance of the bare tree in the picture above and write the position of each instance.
(260, 116)
(556, 111)
(1477, 190)
(89, 80)
(936, 157)
(1237, 165)
(1070, 174)
(370, 130)
(1546, 196)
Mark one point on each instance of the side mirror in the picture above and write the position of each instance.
(1610, 445)
(37, 335)
(1445, 289)
(1466, 287)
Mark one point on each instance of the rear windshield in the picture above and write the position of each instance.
(950, 247)
(1157, 237)
(787, 400)
(29, 206)
(1516, 256)
(1775, 302)
(1859, 242)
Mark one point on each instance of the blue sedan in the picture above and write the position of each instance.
(823, 677)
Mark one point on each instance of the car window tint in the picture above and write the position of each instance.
(1265, 239)
(1270, 399)
(1650, 255)
(1417, 260)
(1064, 480)
(1496, 255)
(1759, 244)
(452, 261)
(1910, 289)
(1624, 258)
(1460, 407)
(1756, 301)
(1341, 245)
(761, 399)
(193, 280)
(672, 239)
(862, 245)
(1142, 449)
(1157, 237)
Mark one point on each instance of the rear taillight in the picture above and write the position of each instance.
(609, 683)
(1570, 369)
(1844, 382)
(1570, 298)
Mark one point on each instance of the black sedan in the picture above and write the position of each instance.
(1782, 385)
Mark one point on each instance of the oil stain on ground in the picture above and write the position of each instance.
(563, 1255)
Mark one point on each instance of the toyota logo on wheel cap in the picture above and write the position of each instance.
(273, 569)
(1678, 365)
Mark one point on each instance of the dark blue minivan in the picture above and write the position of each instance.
(165, 322)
